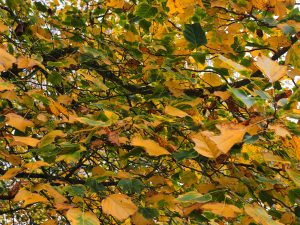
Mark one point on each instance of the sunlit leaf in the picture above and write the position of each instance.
(119, 206)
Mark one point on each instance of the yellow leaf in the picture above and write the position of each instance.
(231, 134)
(119, 206)
(172, 111)
(49, 222)
(35, 165)
(3, 27)
(58, 198)
(10, 173)
(260, 215)
(296, 145)
(77, 217)
(26, 140)
(204, 146)
(222, 209)
(150, 146)
(131, 37)
(115, 3)
(29, 197)
(28, 63)
(211, 146)
(294, 175)
(18, 122)
(211, 79)
(6, 60)
(270, 68)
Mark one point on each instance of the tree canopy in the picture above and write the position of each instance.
(149, 112)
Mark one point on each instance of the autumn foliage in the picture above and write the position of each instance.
(149, 112)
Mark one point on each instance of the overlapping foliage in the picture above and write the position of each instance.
(149, 112)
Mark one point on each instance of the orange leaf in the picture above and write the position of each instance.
(18, 122)
(10, 173)
(222, 209)
(29, 197)
(26, 140)
(119, 206)
(6, 60)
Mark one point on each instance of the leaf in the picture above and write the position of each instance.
(270, 68)
(296, 145)
(243, 96)
(145, 10)
(29, 197)
(6, 86)
(115, 3)
(194, 34)
(35, 165)
(119, 206)
(10, 173)
(294, 175)
(204, 145)
(50, 137)
(18, 122)
(6, 60)
(78, 217)
(26, 140)
(260, 215)
(292, 56)
(234, 65)
(3, 27)
(131, 186)
(194, 196)
(92, 122)
(150, 146)
(222, 209)
(211, 79)
(172, 111)
(28, 63)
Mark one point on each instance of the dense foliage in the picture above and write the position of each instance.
(149, 112)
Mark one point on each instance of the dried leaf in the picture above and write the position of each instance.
(270, 68)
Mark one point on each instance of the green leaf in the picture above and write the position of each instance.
(242, 95)
(131, 186)
(190, 154)
(294, 196)
(146, 11)
(149, 213)
(294, 175)
(194, 34)
(194, 196)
